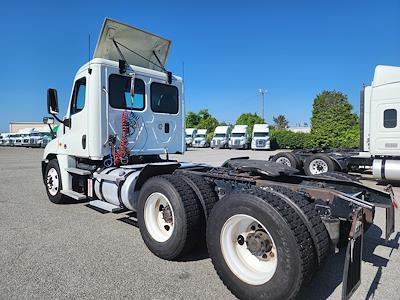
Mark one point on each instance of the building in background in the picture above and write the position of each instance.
(301, 127)
(15, 127)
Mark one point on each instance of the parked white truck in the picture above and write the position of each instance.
(239, 137)
(200, 139)
(221, 137)
(260, 137)
(379, 134)
(190, 135)
(263, 236)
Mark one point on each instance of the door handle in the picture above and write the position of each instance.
(84, 141)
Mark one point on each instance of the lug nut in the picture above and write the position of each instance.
(240, 240)
(271, 254)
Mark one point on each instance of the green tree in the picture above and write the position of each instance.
(202, 120)
(192, 120)
(333, 124)
(280, 122)
(249, 119)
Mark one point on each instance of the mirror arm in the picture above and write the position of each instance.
(57, 118)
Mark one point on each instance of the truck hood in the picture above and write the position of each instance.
(140, 42)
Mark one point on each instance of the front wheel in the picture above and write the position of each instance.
(52, 181)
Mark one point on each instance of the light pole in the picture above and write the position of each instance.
(262, 92)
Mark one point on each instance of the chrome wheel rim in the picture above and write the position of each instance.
(52, 181)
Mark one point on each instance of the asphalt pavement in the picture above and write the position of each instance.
(50, 251)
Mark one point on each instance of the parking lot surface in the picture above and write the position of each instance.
(50, 251)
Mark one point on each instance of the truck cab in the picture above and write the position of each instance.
(260, 137)
(239, 137)
(221, 137)
(190, 135)
(124, 106)
(200, 140)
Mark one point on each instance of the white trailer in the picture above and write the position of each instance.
(379, 134)
(221, 137)
(190, 135)
(126, 111)
(200, 139)
(239, 137)
(260, 138)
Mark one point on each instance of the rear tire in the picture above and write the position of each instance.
(319, 164)
(295, 259)
(288, 159)
(169, 216)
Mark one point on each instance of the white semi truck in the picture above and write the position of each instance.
(239, 137)
(190, 135)
(260, 137)
(379, 134)
(200, 139)
(265, 238)
(221, 137)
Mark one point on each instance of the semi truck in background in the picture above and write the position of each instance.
(260, 137)
(221, 137)
(190, 135)
(200, 139)
(267, 228)
(379, 135)
(239, 137)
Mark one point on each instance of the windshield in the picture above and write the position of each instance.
(220, 135)
(201, 136)
(260, 134)
(238, 134)
(35, 134)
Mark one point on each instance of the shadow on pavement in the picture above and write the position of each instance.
(330, 276)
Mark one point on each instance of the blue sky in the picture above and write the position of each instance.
(294, 49)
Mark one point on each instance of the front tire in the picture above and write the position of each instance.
(52, 181)
(169, 216)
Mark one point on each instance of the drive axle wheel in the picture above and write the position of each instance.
(259, 246)
(318, 164)
(252, 257)
(159, 217)
(169, 216)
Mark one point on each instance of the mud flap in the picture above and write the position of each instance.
(389, 222)
(352, 263)
(390, 214)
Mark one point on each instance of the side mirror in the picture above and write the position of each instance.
(52, 101)
(48, 120)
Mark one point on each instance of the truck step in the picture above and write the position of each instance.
(74, 195)
(105, 206)
(78, 171)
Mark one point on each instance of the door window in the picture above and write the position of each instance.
(78, 97)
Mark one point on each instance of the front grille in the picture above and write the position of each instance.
(236, 142)
(26, 140)
(260, 143)
(32, 141)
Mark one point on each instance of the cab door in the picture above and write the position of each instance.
(75, 131)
